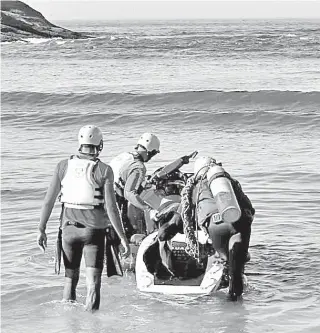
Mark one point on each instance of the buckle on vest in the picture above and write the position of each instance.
(216, 217)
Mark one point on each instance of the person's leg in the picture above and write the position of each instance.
(70, 285)
(236, 266)
(93, 281)
(230, 245)
(239, 254)
(72, 253)
(244, 227)
(220, 234)
(166, 232)
(166, 256)
(94, 256)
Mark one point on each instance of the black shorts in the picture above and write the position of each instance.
(80, 239)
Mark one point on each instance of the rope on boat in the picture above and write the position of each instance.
(192, 247)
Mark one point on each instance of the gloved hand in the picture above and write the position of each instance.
(185, 159)
(42, 240)
(126, 246)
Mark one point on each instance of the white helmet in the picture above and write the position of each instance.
(90, 135)
(150, 142)
(202, 164)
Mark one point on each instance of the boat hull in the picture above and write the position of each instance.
(204, 284)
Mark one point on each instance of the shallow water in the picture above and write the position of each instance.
(204, 87)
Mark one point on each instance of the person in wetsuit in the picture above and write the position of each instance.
(87, 195)
(230, 240)
(130, 172)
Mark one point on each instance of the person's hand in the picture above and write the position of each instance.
(126, 246)
(42, 241)
(153, 178)
(153, 213)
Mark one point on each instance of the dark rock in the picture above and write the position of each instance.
(19, 21)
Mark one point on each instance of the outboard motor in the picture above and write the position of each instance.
(222, 191)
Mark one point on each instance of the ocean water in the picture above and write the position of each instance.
(245, 92)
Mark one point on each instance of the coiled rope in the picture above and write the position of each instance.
(192, 247)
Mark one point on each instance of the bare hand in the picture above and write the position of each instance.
(126, 246)
(153, 214)
(42, 241)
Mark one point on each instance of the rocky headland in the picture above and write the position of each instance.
(19, 22)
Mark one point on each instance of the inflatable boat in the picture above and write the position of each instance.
(192, 276)
(200, 276)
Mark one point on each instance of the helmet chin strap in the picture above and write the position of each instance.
(151, 154)
(90, 150)
(142, 155)
(142, 151)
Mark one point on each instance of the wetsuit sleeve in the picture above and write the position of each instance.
(111, 205)
(50, 198)
(244, 201)
(131, 189)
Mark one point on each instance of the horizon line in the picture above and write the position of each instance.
(190, 19)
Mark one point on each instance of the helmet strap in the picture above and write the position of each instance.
(151, 154)
(141, 149)
(89, 150)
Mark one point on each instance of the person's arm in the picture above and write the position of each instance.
(243, 199)
(47, 206)
(132, 185)
(111, 208)
(49, 201)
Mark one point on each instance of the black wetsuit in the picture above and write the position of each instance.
(220, 231)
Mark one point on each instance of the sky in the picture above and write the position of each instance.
(56, 10)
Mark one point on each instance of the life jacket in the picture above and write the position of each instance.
(79, 189)
(120, 164)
